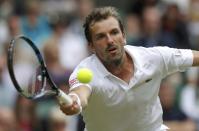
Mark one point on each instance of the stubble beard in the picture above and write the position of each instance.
(117, 61)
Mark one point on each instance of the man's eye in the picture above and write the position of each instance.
(99, 37)
(115, 32)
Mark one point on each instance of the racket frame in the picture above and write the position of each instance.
(44, 70)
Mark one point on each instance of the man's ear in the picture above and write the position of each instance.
(91, 48)
(124, 36)
(125, 41)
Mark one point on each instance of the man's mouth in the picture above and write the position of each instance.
(112, 49)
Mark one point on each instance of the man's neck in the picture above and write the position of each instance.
(124, 70)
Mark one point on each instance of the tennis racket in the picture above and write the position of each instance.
(29, 73)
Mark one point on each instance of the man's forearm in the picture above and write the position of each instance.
(83, 93)
(195, 58)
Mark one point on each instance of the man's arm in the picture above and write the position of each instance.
(195, 58)
(80, 94)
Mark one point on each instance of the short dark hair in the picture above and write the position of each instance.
(99, 14)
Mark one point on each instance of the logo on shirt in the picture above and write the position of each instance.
(73, 82)
(148, 80)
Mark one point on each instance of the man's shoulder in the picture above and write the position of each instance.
(136, 49)
(145, 53)
(88, 60)
(155, 49)
(143, 47)
(131, 47)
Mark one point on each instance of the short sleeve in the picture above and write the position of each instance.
(173, 60)
(74, 82)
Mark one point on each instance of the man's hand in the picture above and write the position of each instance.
(79, 96)
(73, 109)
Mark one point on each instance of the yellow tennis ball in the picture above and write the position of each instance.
(84, 75)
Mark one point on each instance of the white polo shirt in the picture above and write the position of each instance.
(115, 105)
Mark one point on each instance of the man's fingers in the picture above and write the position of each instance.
(70, 110)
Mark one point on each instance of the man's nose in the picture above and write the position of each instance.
(109, 39)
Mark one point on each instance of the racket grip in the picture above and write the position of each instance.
(63, 98)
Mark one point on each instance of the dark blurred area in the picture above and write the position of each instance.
(55, 26)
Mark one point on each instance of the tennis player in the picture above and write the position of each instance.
(123, 94)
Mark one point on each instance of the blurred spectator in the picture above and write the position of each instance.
(7, 120)
(75, 29)
(19, 7)
(34, 24)
(173, 117)
(132, 28)
(52, 7)
(59, 23)
(177, 81)
(58, 120)
(5, 8)
(14, 26)
(7, 91)
(194, 22)
(190, 96)
(4, 33)
(51, 51)
(182, 4)
(137, 7)
(4, 90)
(174, 28)
(25, 113)
(68, 35)
(151, 25)
(167, 98)
(72, 45)
(84, 7)
(59, 74)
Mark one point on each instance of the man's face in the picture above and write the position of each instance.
(107, 40)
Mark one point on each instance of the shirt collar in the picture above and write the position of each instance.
(100, 67)
(138, 64)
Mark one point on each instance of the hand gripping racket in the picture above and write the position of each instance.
(29, 73)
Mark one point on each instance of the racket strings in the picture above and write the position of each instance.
(29, 70)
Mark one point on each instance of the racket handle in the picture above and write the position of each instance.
(63, 98)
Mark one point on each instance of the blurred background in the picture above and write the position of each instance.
(56, 27)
